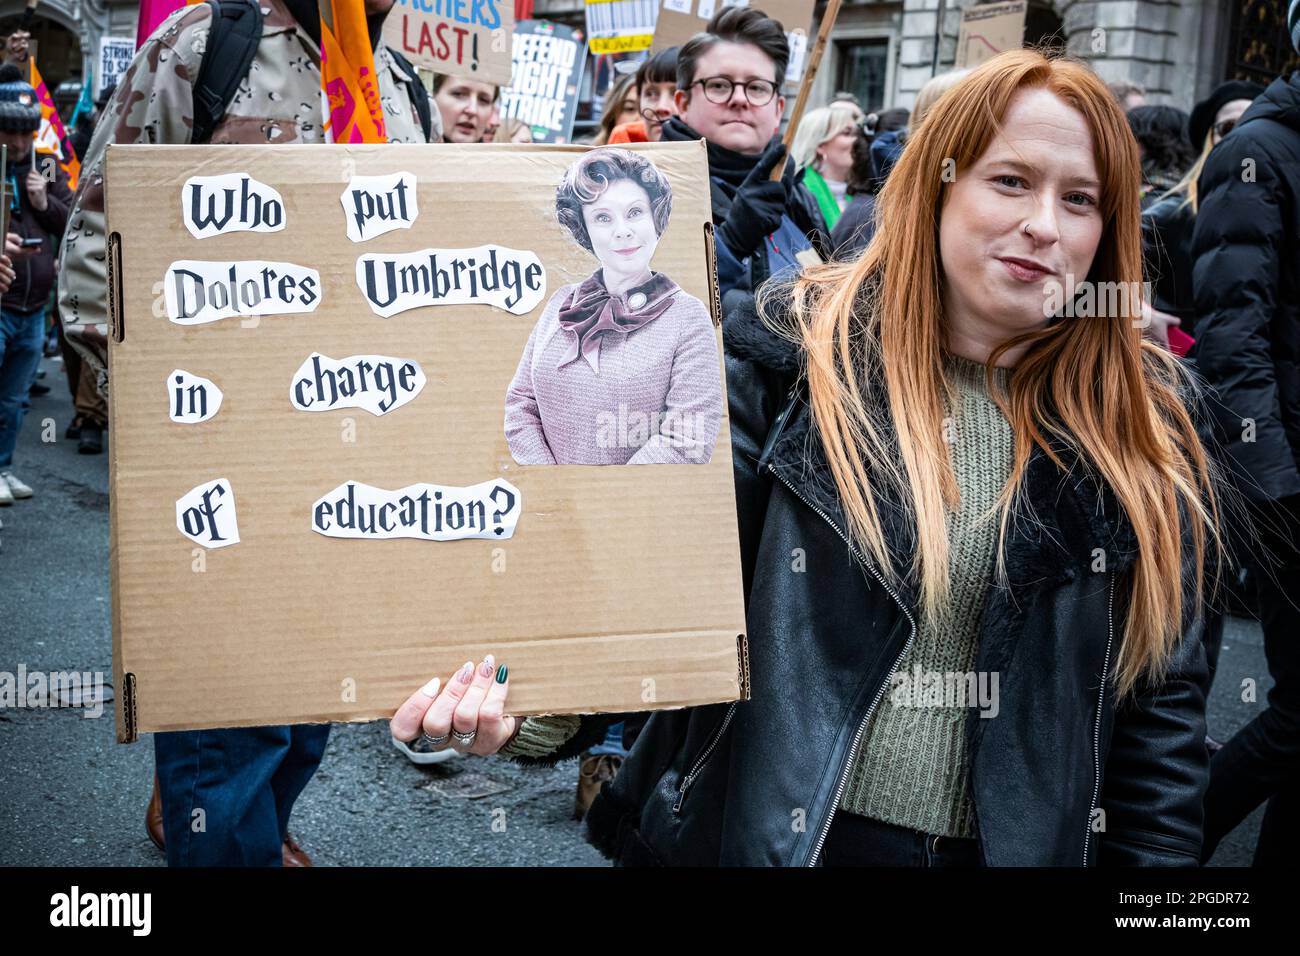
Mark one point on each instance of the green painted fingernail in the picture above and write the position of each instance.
(501, 673)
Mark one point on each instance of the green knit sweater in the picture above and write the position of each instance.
(911, 767)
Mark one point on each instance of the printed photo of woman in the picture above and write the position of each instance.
(621, 368)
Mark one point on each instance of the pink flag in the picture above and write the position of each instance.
(152, 13)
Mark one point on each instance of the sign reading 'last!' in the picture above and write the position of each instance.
(465, 38)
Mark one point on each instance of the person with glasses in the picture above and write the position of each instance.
(729, 94)
(1246, 283)
(1168, 222)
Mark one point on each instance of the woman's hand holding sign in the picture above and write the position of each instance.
(468, 715)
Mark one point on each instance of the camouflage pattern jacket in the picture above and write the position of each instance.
(279, 102)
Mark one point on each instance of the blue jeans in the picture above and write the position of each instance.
(21, 339)
(227, 794)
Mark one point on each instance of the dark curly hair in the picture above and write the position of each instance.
(595, 172)
(1161, 132)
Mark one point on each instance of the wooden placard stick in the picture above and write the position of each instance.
(809, 74)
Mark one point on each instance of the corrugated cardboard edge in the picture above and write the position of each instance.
(114, 264)
(127, 721)
(125, 717)
(715, 298)
(126, 713)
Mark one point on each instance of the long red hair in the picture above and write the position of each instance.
(1092, 384)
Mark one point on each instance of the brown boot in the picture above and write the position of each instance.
(291, 854)
(593, 771)
(153, 817)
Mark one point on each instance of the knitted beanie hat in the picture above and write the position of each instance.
(1202, 118)
(19, 110)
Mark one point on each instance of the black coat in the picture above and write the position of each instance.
(1247, 287)
(853, 233)
(1167, 227)
(757, 782)
(35, 268)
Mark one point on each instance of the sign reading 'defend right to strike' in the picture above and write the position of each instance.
(548, 63)
(381, 410)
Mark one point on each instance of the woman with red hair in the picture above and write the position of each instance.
(989, 652)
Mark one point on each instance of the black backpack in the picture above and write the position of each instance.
(232, 43)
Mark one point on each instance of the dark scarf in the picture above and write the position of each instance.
(727, 168)
(593, 311)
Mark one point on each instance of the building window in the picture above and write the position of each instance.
(1259, 45)
(862, 66)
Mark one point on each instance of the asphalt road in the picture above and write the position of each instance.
(72, 796)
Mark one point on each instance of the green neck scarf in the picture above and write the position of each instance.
(826, 200)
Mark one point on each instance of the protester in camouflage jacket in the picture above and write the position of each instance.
(279, 102)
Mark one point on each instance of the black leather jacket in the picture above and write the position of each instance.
(1062, 775)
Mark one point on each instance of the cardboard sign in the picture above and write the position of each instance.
(620, 26)
(989, 29)
(465, 38)
(679, 20)
(115, 54)
(548, 63)
(315, 508)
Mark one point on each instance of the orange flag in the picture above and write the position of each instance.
(349, 86)
(52, 138)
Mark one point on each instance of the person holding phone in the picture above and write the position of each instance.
(39, 201)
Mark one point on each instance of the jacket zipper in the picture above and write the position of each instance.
(857, 739)
(695, 768)
(1101, 701)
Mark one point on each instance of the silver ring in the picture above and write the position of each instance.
(434, 741)
(464, 740)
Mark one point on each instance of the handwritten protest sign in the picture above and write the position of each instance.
(620, 26)
(548, 63)
(465, 38)
(318, 505)
(115, 54)
(989, 29)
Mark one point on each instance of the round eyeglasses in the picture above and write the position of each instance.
(1225, 127)
(718, 89)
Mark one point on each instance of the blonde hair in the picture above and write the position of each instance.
(1092, 387)
(1187, 185)
(816, 127)
(934, 88)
